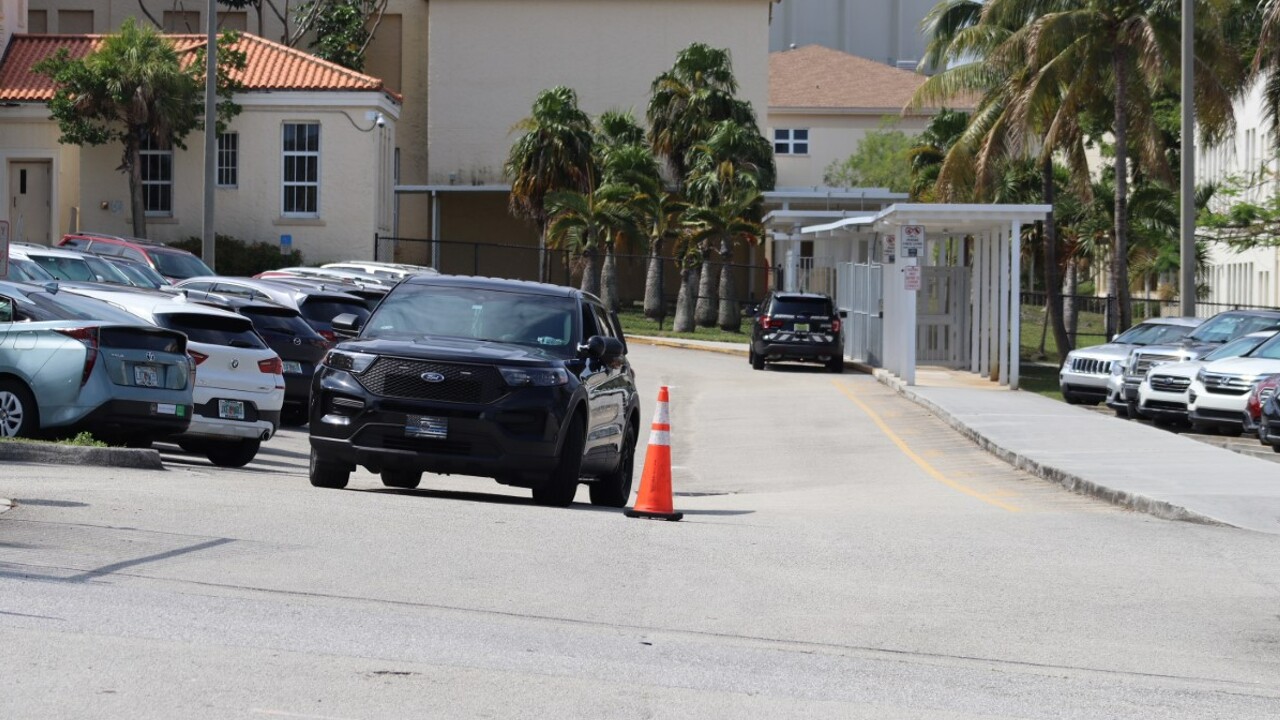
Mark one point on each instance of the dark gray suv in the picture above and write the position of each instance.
(522, 382)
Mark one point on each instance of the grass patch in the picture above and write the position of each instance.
(635, 323)
(84, 439)
(1039, 379)
(1091, 330)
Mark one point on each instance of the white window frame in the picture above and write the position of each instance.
(228, 161)
(785, 141)
(146, 151)
(285, 185)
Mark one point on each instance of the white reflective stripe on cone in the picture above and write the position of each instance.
(660, 437)
(662, 414)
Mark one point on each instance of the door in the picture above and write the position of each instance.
(30, 190)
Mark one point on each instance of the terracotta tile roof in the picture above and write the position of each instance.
(814, 76)
(268, 66)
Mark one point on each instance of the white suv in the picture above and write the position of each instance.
(1162, 395)
(239, 385)
(1221, 388)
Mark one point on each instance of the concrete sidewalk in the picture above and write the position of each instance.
(1126, 463)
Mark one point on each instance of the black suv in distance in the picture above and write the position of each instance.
(522, 382)
(801, 327)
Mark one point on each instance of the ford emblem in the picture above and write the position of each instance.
(433, 377)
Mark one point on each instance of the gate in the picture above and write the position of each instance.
(942, 318)
(859, 290)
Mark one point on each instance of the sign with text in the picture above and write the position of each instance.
(912, 241)
(911, 278)
(4, 248)
(286, 244)
(887, 248)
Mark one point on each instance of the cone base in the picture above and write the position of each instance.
(644, 514)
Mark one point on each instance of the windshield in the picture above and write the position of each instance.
(26, 271)
(1224, 327)
(280, 322)
(324, 309)
(1235, 348)
(65, 268)
(1153, 334)
(415, 311)
(179, 265)
(141, 275)
(105, 271)
(1268, 349)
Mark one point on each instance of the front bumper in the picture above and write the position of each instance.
(1216, 408)
(1162, 405)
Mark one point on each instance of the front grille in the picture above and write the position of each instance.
(1170, 383)
(463, 383)
(394, 439)
(1165, 405)
(1228, 415)
(1091, 366)
(1220, 384)
(1142, 363)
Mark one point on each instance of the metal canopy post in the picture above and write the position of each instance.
(1015, 329)
(1003, 285)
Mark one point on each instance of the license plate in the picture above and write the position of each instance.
(292, 367)
(802, 327)
(231, 409)
(427, 427)
(146, 376)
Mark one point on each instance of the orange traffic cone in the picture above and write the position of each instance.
(654, 498)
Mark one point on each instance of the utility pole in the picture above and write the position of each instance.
(210, 134)
(1187, 179)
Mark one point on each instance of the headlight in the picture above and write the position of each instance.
(1117, 367)
(1200, 376)
(350, 361)
(534, 377)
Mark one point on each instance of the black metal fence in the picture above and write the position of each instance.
(520, 262)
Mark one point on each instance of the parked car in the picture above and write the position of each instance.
(318, 307)
(68, 363)
(139, 275)
(239, 387)
(24, 270)
(797, 327)
(1262, 391)
(171, 262)
(68, 264)
(523, 382)
(1221, 388)
(1162, 395)
(1207, 337)
(1083, 378)
(371, 294)
(331, 275)
(392, 271)
(1269, 413)
(299, 346)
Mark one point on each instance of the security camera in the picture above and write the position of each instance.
(381, 121)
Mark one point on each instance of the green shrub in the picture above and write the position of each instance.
(237, 257)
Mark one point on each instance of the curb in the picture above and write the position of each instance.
(137, 459)
(677, 343)
(1075, 483)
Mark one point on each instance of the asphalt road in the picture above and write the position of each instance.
(844, 555)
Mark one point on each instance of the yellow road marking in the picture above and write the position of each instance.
(924, 464)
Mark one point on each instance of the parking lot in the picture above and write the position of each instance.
(843, 554)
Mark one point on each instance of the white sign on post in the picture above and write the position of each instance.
(4, 249)
(887, 250)
(911, 278)
(912, 241)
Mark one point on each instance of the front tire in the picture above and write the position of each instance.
(19, 415)
(232, 454)
(614, 489)
(325, 474)
(402, 479)
(562, 483)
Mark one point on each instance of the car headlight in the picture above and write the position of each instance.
(1117, 367)
(354, 362)
(534, 377)
(1200, 376)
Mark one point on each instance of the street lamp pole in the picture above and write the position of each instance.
(210, 134)
(1187, 179)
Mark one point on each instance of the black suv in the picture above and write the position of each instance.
(522, 382)
(803, 327)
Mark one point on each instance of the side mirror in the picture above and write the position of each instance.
(6, 310)
(753, 310)
(844, 314)
(346, 325)
(605, 349)
(1113, 337)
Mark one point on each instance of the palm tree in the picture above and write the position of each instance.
(624, 160)
(690, 259)
(554, 153)
(583, 223)
(724, 225)
(661, 214)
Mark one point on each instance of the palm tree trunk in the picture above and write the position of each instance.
(685, 301)
(1122, 313)
(707, 302)
(654, 307)
(137, 203)
(590, 275)
(1053, 267)
(729, 318)
(1070, 310)
(609, 279)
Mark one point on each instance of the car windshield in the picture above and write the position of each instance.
(324, 309)
(1269, 349)
(141, 275)
(1153, 334)
(179, 265)
(269, 321)
(1235, 348)
(213, 329)
(105, 271)
(26, 271)
(415, 311)
(1224, 327)
(800, 306)
(65, 268)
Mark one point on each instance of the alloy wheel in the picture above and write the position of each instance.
(11, 414)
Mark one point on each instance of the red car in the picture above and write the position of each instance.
(172, 263)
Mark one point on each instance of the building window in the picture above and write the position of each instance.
(75, 22)
(302, 169)
(157, 179)
(228, 160)
(181, 21)
(37, 22)
(791, 141)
